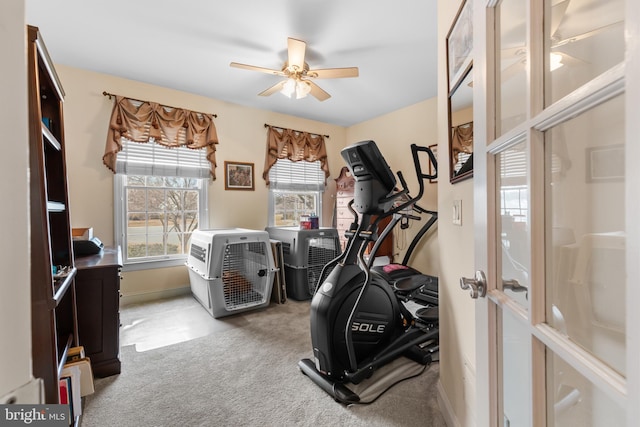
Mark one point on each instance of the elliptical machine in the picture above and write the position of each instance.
(358, 321)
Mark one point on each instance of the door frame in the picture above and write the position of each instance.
(632, 200)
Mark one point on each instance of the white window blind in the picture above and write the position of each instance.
(296, 176)
(157, 160)
(513, 164)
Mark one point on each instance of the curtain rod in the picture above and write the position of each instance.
(278, 127)
(110, 95)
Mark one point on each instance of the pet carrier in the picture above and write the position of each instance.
(305, 254)
(230, 270)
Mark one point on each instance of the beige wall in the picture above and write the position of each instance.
(457, 310)
(15, 303)
(242, 138)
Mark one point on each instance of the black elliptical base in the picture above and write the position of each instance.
(335, 389)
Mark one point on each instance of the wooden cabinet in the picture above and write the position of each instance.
(344, 194)
(98, 302)
(53, 297)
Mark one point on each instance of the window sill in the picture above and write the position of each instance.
(152, 264)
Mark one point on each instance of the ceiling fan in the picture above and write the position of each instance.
(298, 76)
(557, 57)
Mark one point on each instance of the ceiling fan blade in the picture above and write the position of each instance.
(557, 13)
(585, 35)
(512, 52)
(296, 50)
(512, 70)
(273, 89)
(570, 60)
(333, 73)
(317, 91)
(254, 68)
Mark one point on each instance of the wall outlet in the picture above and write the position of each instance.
(457, 212)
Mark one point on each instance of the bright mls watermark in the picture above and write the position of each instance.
(34, 415)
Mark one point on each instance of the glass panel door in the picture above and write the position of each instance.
(584, 38)
(516, 372)
(585, 193)
(556, 240)
(514, 228)
(511, 68)
(573, 400)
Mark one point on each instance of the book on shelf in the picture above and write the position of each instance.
(65, 394)
(85, 376)
(75, 397)
(75, 353)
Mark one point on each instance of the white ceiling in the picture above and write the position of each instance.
(188, 45)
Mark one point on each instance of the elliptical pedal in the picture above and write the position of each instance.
(427, 294)
(419, 355)
(428, 314)
(338, 391)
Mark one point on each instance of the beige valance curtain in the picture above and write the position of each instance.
(142, 121)
(462, 140)
(295, 146)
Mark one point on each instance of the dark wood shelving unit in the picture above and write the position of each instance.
(54, 322)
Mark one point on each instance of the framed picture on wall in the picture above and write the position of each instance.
(605, 164)
(434, 150)
(238, 176)
(460, 44)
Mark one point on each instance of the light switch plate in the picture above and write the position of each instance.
(457, 212)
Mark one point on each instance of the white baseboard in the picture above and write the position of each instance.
(29, 393)
(152, 296)
(446, 409)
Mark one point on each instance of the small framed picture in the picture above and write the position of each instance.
(605, 164)
(238, 176)
(432, 171)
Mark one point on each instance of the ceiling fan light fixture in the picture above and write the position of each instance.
(288, 88)
(555, 61)
(302, 89)
(295, 86)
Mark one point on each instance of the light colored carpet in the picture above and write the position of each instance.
(235, 371)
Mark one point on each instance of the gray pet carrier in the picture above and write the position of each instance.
(305, 254)
(230, 270)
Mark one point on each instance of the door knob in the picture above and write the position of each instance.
(513, 285)
(477, 286)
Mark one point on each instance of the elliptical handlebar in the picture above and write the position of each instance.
(421, 177)
(415, 149)
(410, 202)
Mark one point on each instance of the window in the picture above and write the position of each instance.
(295, 189)
(514, 190)
(160, 198)
(514, 203)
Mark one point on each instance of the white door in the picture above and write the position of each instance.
(556, 201)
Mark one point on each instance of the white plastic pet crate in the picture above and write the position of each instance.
(231, 270)
(305, 254)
